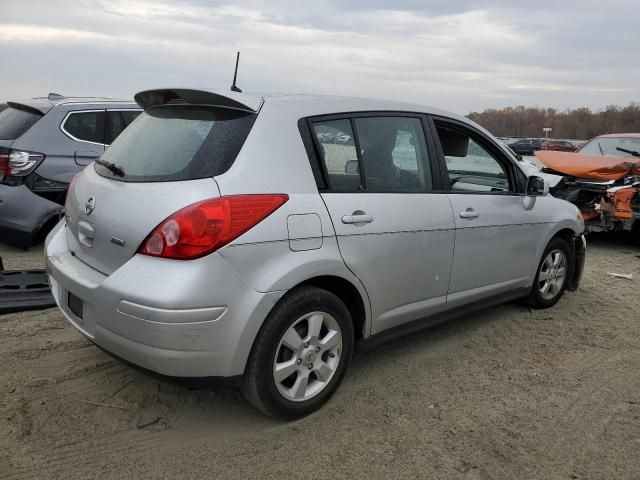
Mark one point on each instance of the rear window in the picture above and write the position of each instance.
(178, 142)
(15, 122)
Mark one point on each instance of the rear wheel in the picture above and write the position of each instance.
(300, 354)
(552, 275)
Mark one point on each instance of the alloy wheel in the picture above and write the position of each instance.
(552, 274)
(307, 356)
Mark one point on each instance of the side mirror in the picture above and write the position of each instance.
(537, 186)
(352, 168)
(519, 157)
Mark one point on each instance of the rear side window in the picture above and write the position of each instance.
(85, 126)
(394, 153)
(386, 154)
(15, 122)
(338, 152)
(117, 121)
(178, 142)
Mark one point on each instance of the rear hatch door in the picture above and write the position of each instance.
(108, 220)
(165, 160)
(15, 120)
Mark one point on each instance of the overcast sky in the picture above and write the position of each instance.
(458, 55)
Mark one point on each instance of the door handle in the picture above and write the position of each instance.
(357, 219)
(469, 213)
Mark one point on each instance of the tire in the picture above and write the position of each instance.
(287, 344)
(545, 292)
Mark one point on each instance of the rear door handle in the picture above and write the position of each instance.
(357, 219)
(469, 213)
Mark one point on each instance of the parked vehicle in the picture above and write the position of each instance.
(559, 146)
(525, 146)
(252, 248)
(44, 142)
(602, 179)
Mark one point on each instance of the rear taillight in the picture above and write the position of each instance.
(203, 227)
(17, 163)
(4, 165)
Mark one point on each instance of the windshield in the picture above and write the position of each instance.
(176, 142)
(15, 122)
(610, 145)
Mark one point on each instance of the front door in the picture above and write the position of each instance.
(392, 231)
(496, 235)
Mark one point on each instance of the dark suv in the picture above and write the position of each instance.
(526, 146)
(44, 142)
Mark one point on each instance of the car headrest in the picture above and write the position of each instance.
(454, 144)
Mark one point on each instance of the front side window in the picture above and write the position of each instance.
(470, 166)
(85, 126)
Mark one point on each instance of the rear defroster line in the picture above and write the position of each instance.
(22, 290)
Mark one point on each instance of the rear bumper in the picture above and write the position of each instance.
(22, 214)
(580, 251)
(182, 319)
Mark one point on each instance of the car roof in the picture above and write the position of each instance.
(44, 104)
(302, 105)
(619, 135)
(335, 103)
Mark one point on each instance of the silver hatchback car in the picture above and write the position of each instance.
(262, 238)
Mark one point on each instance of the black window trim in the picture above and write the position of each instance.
(312, 146)
(484, 141)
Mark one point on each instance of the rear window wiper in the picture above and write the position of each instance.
(112, 167)
(635, 153)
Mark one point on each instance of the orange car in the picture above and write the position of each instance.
(602, 178)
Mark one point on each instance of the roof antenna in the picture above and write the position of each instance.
(235, 74)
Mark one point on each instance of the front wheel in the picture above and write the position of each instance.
(300, 354)
(552, 276)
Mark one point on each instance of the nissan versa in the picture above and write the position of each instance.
(235, 236)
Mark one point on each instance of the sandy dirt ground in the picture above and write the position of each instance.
(505, 394)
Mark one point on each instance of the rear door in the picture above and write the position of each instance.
(393, 232)
(496, 236)
(87, 128)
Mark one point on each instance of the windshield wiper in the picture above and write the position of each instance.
(112, 167)
(635, 153)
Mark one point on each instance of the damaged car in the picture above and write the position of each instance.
(44, 142)
(602, 179)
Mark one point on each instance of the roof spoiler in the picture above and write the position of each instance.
(170, 96)
(39, 109)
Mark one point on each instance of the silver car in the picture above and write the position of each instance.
(227, 235)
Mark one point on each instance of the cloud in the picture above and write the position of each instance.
(460, 56)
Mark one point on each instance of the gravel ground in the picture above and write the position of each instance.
(508, 393)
